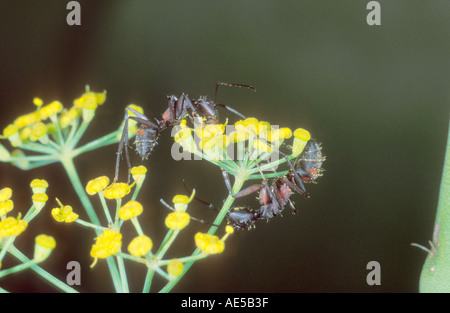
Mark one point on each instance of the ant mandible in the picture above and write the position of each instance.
(178, 109)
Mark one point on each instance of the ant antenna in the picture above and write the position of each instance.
(209, 204)
(193, 218)
(231, 85)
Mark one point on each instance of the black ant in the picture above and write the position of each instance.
(179, 108)
(306, 168)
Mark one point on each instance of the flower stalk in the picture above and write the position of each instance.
(435, 275)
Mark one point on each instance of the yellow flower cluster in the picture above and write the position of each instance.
(262, 137)
(34, 126)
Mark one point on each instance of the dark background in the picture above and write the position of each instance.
(376, 97)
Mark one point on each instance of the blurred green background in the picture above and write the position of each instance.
(377, 97)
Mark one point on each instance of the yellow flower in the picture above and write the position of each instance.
(50, 109)
(68, 116)
(209, 131)
(27, 119)
(301, 137)
(132, 125)
(209, 243)
(181, 201)
(39, 185)
(10, 130)
(108, 243)
(139, 173)
(237, 136)
(90, 100)
(43, 247)
(175, 267)
(219, 142)
(12, 133)
(130, 209)
(140, 246)
(6, 207)
(177, 220)
(279, 134)
(5, 194)
(250, 126)
(229, 229)
(25, 133)
(183, 137)
(39, 200)
(64, 214)
(11, 226)
(117, 191)
(96, 185)
(262, 146)
(38, 130)
(38, 102)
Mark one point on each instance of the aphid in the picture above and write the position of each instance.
(146, 138)
(309, 164)
(178, 109)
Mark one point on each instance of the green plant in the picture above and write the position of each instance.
(52, 134)
(435, 275)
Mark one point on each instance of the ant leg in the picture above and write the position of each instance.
(123, 143)
(296, 188)
(273, 196)
(231, 85)
(191, 217)
(294, 209)
(297, 178)
(245, 192)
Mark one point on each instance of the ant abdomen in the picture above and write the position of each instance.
(242, 217)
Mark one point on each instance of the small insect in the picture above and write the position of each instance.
(178, 109)
(309, 164)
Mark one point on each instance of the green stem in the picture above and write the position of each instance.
(238, 183)
(90, 225)
(17, 268)
(73, 176)
(75, 179)
(435, 275)
(6, 246)
(123, 274)
(98, 143)
(50, 278)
